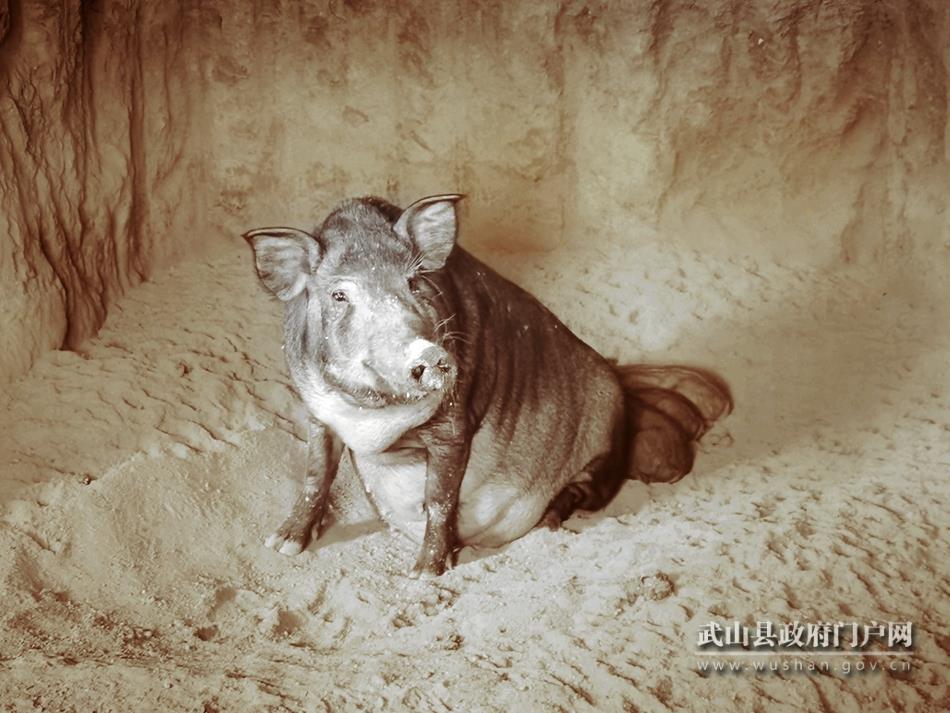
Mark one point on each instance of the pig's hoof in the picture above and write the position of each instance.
(426, 568)
(288, 540)
(419, 572)
(551, 520)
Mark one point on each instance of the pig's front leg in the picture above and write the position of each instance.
(444, 471)
(306, 516)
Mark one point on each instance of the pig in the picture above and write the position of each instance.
(470, 412)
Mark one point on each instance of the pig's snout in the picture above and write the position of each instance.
(430, 366)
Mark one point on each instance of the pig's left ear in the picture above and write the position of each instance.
(431, 225)
(285, 258)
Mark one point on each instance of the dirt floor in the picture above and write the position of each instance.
(142, 474)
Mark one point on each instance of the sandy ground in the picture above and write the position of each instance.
(141, 475)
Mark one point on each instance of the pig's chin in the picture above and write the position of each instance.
(377, 394)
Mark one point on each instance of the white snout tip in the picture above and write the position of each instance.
(417, 348)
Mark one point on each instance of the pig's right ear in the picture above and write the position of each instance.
(285, 258)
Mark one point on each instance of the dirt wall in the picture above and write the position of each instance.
(803, 130)
(100, 162)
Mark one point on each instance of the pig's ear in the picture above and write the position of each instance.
(285, 258)
(431, 225)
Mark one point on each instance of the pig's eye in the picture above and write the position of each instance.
(339, 296)
(413, 284)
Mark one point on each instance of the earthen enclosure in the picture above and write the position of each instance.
(753, 186)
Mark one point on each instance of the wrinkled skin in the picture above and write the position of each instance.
(471, 413)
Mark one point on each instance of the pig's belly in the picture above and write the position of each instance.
(491, 511)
